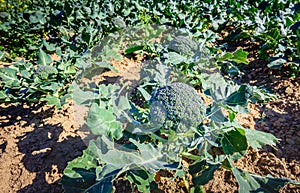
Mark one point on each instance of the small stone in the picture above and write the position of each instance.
(288, 90)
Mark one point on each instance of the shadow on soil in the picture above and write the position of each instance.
(45, 155)
(280, 116)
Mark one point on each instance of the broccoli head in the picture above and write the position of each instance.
(45, 71)
(184, 45)
(176, 105)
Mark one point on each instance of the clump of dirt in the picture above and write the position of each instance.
(223, 181)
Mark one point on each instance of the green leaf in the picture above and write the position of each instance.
(103, 186)
(240, 97)
(271, 184)
(240, 56)
(197, 166)
(216, 114)
(133, 49)
(175, 58)
(49, 47)
(87, 161)
(79, 175)
(43, 58)
(147, 156)
(226, 56)
(145, 94)
(258, 139)
(141, 178)
(235, 143)
(2, 94)
(52, 100)
(249, 183)
(246, 182)
(79, 96)
(106, 171)
(103, 122)
(52, 86)
(206, 175)
(86, 178)
(277, 64)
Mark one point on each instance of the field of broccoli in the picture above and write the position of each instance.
(102, 96)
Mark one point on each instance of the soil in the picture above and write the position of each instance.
(37, 141)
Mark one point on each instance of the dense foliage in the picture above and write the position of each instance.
(70, 29)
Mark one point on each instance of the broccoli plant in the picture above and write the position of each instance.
(162, 123)
(167, 129)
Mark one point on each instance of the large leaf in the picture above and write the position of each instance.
(103, 186)
(175, 58)
(52, 100)
(43, 58)
(246, 182)
(79, 175)
(86, 179)
(240, 56)
(235, 143)
(240, 97)
(81, 97)
(142, 179)
(271, 184)
(216, 114)
(216, 86)
(103, 122)
(197, 166)
(258, 139)
(146, 156)
(251, 183)
(206, 175)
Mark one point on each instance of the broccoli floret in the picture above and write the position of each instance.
(184, 45)
(176, 106)
(45, 71)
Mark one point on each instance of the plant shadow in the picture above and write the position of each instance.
(47, 147)
(280, 116)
